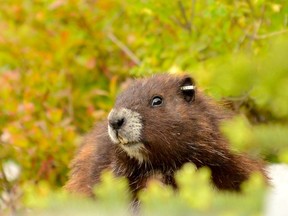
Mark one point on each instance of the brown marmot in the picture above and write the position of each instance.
(157, 125)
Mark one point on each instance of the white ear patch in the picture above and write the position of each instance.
(188, 87)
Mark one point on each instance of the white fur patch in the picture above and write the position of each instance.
(135, 151)
(112, 135)
(129, 135)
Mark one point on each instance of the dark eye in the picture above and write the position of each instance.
(156, 101)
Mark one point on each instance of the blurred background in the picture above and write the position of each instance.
(62, 63)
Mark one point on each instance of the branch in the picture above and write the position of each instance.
(272, 34)
(183, 12)
(124, 48)
(251, 8)
(193, 8)
(176, 21)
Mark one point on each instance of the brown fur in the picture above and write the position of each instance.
(174, 134)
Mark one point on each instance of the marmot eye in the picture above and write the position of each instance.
(156, 101)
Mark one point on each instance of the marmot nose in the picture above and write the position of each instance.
(116, 124)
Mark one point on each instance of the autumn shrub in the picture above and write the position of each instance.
(63, 62)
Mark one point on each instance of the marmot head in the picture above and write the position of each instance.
(164, 118)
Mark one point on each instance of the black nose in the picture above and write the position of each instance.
(116, 124)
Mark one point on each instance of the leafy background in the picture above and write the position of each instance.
(62, 63)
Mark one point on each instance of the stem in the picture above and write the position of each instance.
(193, 8)
(124, 48)
(272, 34)
(251, 8)
(183, 12)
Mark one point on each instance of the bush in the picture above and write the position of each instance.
(62, 63)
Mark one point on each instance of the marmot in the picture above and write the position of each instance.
(157, 125)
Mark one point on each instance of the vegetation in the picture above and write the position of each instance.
(63, 62)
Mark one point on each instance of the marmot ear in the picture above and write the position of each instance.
(188, 89)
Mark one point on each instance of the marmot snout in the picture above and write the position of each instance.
(125, 128)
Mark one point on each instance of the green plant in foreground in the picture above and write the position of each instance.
(194, 196)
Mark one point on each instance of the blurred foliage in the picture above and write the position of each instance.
(62, 63)
(195, 197)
